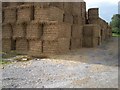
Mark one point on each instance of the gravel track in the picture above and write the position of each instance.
(83, 68)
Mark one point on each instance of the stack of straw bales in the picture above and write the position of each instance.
(76, 37)
(91, 35)
(47, 28)
(6, 37)
(56, 37)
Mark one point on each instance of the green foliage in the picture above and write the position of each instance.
(115, 23)
(116, 30)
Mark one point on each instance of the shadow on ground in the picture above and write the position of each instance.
(105, 54)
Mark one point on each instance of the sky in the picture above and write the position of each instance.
(107, 8)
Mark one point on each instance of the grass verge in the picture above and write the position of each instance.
(2, 62)
(9, 54)
(115, 35)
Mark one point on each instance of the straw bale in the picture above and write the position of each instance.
(48, 14)
(92, 30)
(77, 20)
(53, 31)
(6, 44)
(9, 14)
(5, 4)
(103, 34)
(91, 41)
(76, 11)
(67, 7)
(93, 21)
(42, 4)
(34, 30)
(6, 30)
(60, 5)
(63, 45)
(19, 30)
(83, 9)
(77, 31)
(77, 4)
(68, 18)
(58, 46)
(14, 4)
(93, 13)
(22, 45)
(25, 13)
(50, 47)
(28, 3)
(35, 45)
(76, 43)
(2, 16)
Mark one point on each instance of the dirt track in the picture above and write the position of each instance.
(83, 68)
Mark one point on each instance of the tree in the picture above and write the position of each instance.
(115, 23)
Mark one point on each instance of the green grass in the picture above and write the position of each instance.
(10, 54)
(115, 35)
(4, 62)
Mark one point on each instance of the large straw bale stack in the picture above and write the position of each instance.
(84, 21)
(9, 14)
(19, 30)
(77, 20)
(77, 31)
(6, 30)
(25, 13)
(48, 14)
(14, 4)
(59, 5)
(76, 11)
(63, 45)
(5, 4)
(28, 3)
(22, 45)
(34, 30)
(2, 16)
(6, 44)
(90, 42)
(96, 41)
(110, 31)
(83, 9)
(76, 43)
(50, 47)
(93, 13)
(102, 34)
(68, 18)
(77, 4)
(67, 7)
(35, 47)
(11, 4)
(55, 30)
(92, 30)
(42, 4)
(93, 21)
(58, 46)
(91, 35)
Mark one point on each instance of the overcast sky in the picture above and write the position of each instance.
(107, 8)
